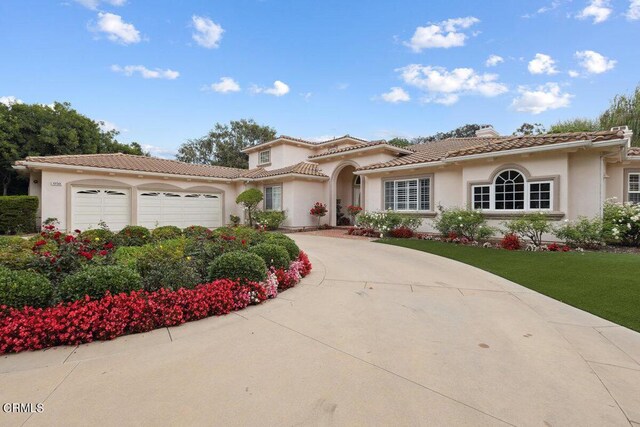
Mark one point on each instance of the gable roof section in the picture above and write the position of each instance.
(302, 168)
(381, 142)
(135, 163)
(459, 147)
(633, 151)
(310, 144)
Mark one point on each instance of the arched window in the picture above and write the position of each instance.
(509, 190)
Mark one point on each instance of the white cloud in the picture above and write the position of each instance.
(146, 73)
(633, 13)
(599, 10)
(594, 63)
(443, 34)
(306, 96)
(94, 4)
(207, 33)
(546, 97)
(155, 151)
(279, 88)
(542, 64)
(544, 9)
(573, 74)
(225, 85)
(493, 60)
(107, 126)
(116, 29)
(395, 95)
(10, 100)
(445, 87)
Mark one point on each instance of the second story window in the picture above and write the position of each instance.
(264, 157)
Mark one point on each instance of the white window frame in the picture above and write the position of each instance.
(268, 157)
(527, 194)
(418, 194)
(629, 191)
(279, 199)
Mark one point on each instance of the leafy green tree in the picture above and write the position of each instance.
(223, 144)
(466, 131)
(575, 125)
(530, 129)
(399, 142)
(624, 110)
(42, 130)
(250, 198)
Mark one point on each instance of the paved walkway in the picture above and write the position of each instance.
(376, 335)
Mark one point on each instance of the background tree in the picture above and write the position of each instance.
(223, 144)
(575, 125)
(466, 131)
(624, 110)
(42, 130)
(530, 129)
(399, 142)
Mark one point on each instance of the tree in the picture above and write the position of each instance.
(624, 110)
(42, 130)
(399, 142)
(250, 198)
(530, 129)
(466, 131)
(223, 144)
(575, 125)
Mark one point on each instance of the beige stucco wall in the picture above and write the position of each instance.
(55, 200)
(586, 185)
(616, 180)
(281, 155)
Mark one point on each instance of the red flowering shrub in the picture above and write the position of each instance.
(401, 233)
(88, 320)
(554, 247)
(510, 242)
(367, 232)
(306, 264)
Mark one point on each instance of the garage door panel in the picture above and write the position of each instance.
(90, 206)
(180, 209)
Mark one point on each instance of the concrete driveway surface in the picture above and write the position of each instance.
(376, 335)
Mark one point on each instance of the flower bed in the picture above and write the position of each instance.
(111, 316)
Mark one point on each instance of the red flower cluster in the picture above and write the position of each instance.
(318, 209)
(554, 247)
(306, 264)
(510, 242)
(402, 233)
(114, 315)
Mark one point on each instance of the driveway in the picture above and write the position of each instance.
(376, 335)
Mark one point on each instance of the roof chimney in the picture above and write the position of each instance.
(487, 132)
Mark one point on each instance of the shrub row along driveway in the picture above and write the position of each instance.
(375, 335)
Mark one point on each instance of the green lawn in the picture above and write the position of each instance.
(605, 284)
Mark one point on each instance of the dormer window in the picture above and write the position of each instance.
(264, 157)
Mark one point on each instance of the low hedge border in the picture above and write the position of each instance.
(18, 214)
(111, 316)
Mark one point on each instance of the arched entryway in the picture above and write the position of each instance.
(347, 189)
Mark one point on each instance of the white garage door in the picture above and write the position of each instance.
(90, 205)
(157, 208)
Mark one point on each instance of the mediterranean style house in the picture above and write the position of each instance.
(565, 175)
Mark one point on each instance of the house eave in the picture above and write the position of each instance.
(357, 151)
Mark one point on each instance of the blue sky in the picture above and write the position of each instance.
(165, 71)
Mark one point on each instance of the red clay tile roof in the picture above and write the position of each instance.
(633, 151)
(354, 147)
(311, 143)
(302, 168)
(457, 147)
(137, 164)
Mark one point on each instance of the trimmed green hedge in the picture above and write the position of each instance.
(24, 288)
(18, 214)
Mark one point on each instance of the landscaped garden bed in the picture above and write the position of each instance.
(71, 288)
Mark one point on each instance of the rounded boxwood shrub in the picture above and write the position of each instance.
(24, 288)
(15, 252)
(98, 279)
(238, 265)
(286, 242)
(101, 235)
(166, 232)
(272, 254)
(196, 232)
(250, 235)
(164, 265)
(134, 235)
